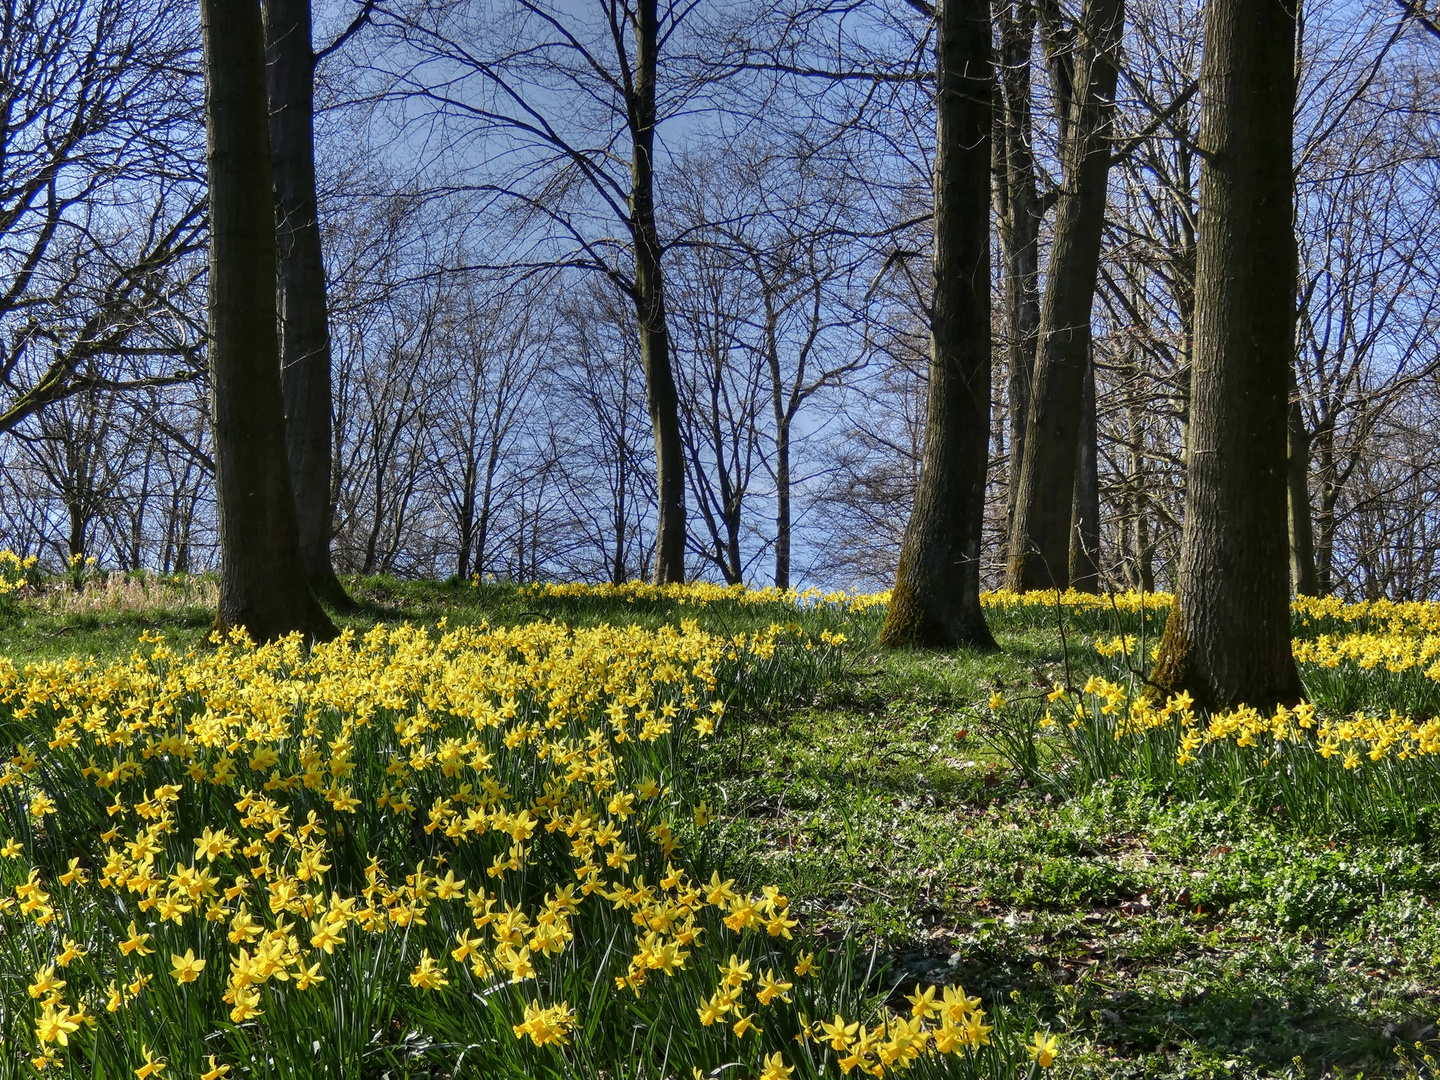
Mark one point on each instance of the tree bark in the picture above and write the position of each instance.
(487, 495)
(469, 478)
(1038, 551)
(1019, 215)
(617, 558)
(936, 600)
(782, 502)
(1227, 639)
(783, 412)
(1303, 578)
(663, 401)
(300, 292)
(263, 585)
(1085, 514)
(1140, 559)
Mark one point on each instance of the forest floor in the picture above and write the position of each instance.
(1163, 933)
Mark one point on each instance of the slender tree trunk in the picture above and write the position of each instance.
(468, 480)
(1019, 226)
(487, 500)
(617, 561)
(782, 503)
(1085, 534)
(1322, 448)
(936, 600)
(300, 276)
(1303, 579)
(1142, 564)
(1038, 552)
(660, 391)
(1182, 270)
(1227, 639)
(1325, 549)
(783, 418)
(263, 585)
(137, 517)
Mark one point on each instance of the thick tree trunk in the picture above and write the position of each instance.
(1085, 534)
(79, 526)
(1303, 579)
(300, 278)
(263, 584)
(1038, 552)
(936, 600)
(1019, 214)
(660, 391)
(1227, 639)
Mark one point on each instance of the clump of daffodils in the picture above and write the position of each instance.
(13, 571)
(706, 593)
(482, 809)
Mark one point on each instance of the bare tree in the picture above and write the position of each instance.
(1368, 301)
(101, 214)
(936, 600)
(605, 491)
(263, 585)
(386, 392)
(577, 97)
(1086, 60)
(300, 287)
(720, 400)
(493, 343)
(1227, 639)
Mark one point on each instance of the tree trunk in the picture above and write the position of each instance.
(1038, 551)
(936, 600)
(468, 480)
(137, 520)
(660, 392)
(79, 526)
(1303, 579)
(617, 557)
(1182, 270)
(1019, 216)
(300, 279)
(1141, 556)
(1325, 549)
(784, 413)
(782, 503)
(1227, 639)
(487, 497)
(263, 585)
(1085, 534)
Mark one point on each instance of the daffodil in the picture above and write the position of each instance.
(187, 968)
(427, 974)
(150, 1066)
(1042, 1049)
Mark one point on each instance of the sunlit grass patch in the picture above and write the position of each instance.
(1325, 762)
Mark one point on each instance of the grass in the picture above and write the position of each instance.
(1167, 923)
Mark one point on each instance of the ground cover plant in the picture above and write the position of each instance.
(1162, 893)
(458, 851)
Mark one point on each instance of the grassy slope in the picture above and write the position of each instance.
(1172, 939)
